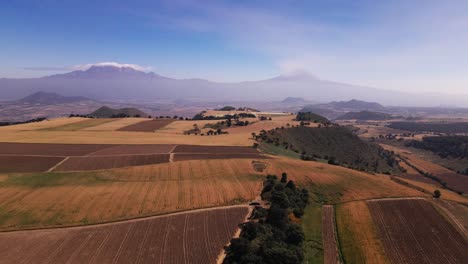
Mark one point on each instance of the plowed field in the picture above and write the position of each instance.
(193, 237)
(110, 162)
(412, 231)
(147, 126)
(182, 157)
(213, 149)
(49, 149)
(134, 149)
(330, 246)
(27, 163)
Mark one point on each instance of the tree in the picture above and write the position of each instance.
(437, 194)
(284, 177)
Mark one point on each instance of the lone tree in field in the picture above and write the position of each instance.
(437, 194)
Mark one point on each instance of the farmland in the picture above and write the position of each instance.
(87, 123)
(75, 198)
(85, 157)
(357, 234)
(27, 163)
(110, 162)
(147, 126)
(413, 243)
(330, 246)
(197, 237)
(333, 184)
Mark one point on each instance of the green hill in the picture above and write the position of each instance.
(107, 112)
(365, 115)
(336, 144)
(312, 117)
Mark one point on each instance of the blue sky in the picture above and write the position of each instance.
(418, 45)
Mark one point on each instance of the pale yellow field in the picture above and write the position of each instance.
(339, 184)
(357, 234)
(41, 200)
(42, 125)
(446, 194)
(171, 134)
(116, 124)
(120, 137)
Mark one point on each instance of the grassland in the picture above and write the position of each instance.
(312, 227)
(55, 199)
(358, 237)
(81, 124)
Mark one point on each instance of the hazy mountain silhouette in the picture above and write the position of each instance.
(125, 83)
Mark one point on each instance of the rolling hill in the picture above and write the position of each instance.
(107, 112)
(336, 144)
(46, 98)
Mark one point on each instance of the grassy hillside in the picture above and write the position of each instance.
(312, 117)
(107, 112)
(336, 144)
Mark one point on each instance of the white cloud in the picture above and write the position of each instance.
(113, 64)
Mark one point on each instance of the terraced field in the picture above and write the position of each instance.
(192, 237)
(55, 199)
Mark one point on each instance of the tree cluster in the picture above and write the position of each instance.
(272, 237)
(38, 119)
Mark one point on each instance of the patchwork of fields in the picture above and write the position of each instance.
(192, 237)
(37, 157)
(78, 171)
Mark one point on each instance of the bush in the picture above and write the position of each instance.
(437, 194)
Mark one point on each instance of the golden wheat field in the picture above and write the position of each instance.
(53, 199)
(358, 237)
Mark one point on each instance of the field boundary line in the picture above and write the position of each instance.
(459, 226)
(122, 221)
(58, 164)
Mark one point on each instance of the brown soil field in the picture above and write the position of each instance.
(49, 149)
(330, 247)
(357, 234)
(189, 156)
(453, 180)
(193, 237)
(446, 194)
(412, 231)
(134, 149)
(10, 164)
(110, 162)
(148, 125)
(214, 149)
(335, 184)
(76, 198)
(457, 213)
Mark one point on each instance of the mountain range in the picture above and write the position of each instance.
(126, 83)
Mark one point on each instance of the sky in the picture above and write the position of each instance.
(408, 45)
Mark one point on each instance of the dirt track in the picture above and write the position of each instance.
(191, 237)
